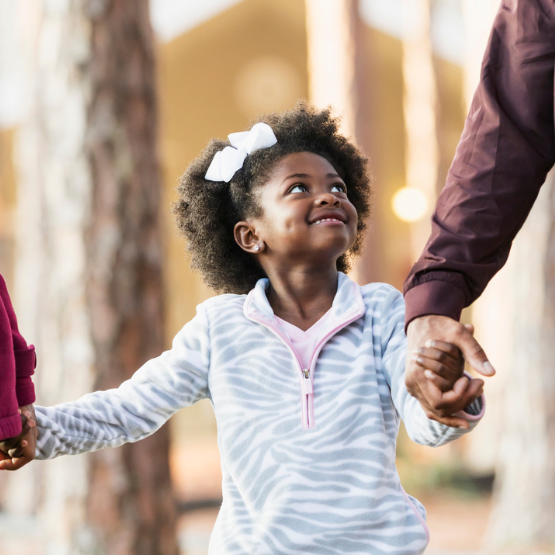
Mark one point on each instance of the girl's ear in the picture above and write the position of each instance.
(246, 237)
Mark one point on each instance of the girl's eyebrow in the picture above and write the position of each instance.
(305, 175)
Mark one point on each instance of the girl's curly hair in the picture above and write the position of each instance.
(207, 211)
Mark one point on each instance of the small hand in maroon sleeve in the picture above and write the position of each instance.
(436, 379)
(16, 452)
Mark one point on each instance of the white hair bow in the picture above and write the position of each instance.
(227, 161)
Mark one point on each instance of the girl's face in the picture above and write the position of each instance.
(306, 215)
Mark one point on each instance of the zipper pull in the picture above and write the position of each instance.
(307, 382)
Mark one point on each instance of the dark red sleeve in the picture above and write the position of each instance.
(10, 422)
(505, 152)
(17, 361)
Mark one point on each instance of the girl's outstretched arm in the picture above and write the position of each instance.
(420, 428)
(138, 407)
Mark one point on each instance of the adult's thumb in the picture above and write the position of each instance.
(474, 354)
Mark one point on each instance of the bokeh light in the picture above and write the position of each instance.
(409, 204)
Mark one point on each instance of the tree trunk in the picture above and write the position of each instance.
(419, 107)
(524, 500)
(91, 259)
(335, 71)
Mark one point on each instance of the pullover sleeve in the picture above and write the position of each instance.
(17, 364)
(505, 152)
(138, 407)
(394, 349)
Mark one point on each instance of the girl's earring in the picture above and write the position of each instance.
(256, 247)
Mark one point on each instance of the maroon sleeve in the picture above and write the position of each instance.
(23, 354)
(10, 422)
(505, 152)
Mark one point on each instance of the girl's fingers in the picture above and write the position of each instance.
(447, 348)
(13, 464)
(441, 383)
(455, 362)
(448, 371)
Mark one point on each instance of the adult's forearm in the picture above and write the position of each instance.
(505, 152)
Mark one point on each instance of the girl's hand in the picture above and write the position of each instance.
(16, 452)
(443, 363)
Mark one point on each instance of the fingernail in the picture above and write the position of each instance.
(490, 370)
(24, 443)
(428, 373)
(31, 423)
(429, 344)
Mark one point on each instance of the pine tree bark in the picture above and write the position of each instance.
(91, 261)
(125, 269)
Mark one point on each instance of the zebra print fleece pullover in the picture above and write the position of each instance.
(307, 454)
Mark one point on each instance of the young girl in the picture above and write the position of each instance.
(304, 368)
(17, 364)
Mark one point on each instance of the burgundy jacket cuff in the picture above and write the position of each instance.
(10, 426)
(25, 362)
(434, 297)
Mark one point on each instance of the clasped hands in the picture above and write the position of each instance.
(436, 351)
(20, 450)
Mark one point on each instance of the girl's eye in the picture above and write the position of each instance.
(298, 189)
(338, 188)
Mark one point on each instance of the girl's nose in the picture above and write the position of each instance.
(327, 198)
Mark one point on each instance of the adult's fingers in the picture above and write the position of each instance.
(445, 404)
(473, 353)
(464, 392)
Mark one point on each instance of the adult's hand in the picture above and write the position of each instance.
(437, 404)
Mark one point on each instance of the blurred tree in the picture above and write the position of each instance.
(90, 262)
(419, 107)
(336, 67)
(523, 514)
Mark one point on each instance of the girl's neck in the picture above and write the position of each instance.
(301, 296)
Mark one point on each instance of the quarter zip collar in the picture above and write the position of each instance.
(347, 303)
(347, 307)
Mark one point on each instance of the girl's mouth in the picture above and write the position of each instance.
(327, 220)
